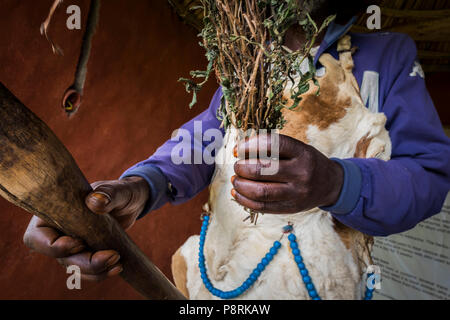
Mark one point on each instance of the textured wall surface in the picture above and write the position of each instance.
(132, 103)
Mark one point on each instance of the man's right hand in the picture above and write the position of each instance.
(123, 199)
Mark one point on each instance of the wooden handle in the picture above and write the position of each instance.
(38, 174)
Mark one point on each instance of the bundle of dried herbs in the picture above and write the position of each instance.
(244, 43)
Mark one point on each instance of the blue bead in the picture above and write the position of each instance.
(298, 259)
(269, 256)
(294, 245)
(296, 252)
(256, 272)
(260, 267)
(277, 244)
(301, 266)
(273, 251)
(316, 298)
(253, 277)
(310, 286)
(304, 272)
(264, 261)
(307, 279)
(312, 293)
(248, 283)
(292, 237)
(206, 218)
(369, 295)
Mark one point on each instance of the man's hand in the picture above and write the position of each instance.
(123, 199)
(305, 178)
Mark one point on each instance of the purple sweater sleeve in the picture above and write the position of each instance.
(396, 195)
(177, 183)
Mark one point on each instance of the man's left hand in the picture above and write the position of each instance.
(305, 178)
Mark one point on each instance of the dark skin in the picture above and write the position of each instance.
(123, 199)
(306, 179)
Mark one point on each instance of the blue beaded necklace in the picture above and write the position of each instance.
(261, 266)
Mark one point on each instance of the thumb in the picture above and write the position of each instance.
(107, 197)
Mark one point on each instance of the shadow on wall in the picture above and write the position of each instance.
(132, 103)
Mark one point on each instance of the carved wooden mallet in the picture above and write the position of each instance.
(38, 174)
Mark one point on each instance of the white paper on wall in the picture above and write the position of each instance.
(416, 264)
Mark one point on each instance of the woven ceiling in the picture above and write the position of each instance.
(426, 21)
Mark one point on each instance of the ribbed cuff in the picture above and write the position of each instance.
(351, 188)
(157, 183)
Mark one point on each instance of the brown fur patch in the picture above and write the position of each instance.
(322, 110)
(359, 243)
(344, 232)
(179, 271)
(362, 146)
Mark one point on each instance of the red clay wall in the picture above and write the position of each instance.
(132, 103)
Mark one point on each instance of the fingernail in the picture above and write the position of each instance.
(235, 152)
(233, 193)
(101, 198)
(113, 260)
(232, 179)
(77, 249)
(115, 271)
